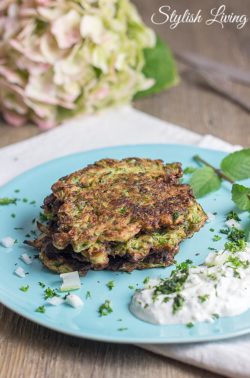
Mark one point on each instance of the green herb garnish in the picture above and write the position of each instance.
(105, 308)
(7, 201)
(176, 215)
(122, 210)
(40, 309)
(122, 329)
(216, 238)
(212, 276)
(41, 284)
(239, 245)
(233, 215)
(203, 298)
(146, 280)
(234, 167)
(88, 295)
(49, 293)
(110, 285)
(175, 282)
(178, 303)
(24, 288)
(189, 325)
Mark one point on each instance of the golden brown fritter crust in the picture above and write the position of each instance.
(118, 214)
(115, 200)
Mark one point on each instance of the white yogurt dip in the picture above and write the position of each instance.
(220, 287)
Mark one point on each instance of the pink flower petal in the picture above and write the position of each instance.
(14, 119)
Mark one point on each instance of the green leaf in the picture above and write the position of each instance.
(160, 66)
(237, 165)
(241, 196)
(204, 181)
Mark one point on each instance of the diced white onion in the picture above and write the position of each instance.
(7, 242)
(74, 301)
(26, 259)
(20, 272)
(210, 217)
(71, 281)
(233, 223)
(55, 301)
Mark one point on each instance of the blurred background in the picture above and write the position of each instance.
(192, 104)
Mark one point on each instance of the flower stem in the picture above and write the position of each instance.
(198, 159)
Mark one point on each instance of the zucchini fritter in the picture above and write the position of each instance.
(119, 215)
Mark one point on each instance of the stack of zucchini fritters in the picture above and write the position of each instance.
(118, 215)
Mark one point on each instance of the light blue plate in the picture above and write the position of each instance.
(34, 185)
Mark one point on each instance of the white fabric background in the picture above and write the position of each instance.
(128, 126)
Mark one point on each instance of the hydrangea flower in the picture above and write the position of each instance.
(59, 58)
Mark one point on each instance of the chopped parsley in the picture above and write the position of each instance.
(216, 238)
(233, 215)
(40, 309)
(235, 234)
(131, 287)
(203, 298)
(122, 329)
(175, 282)
(17, 190)
(25, 200)
(49, 293)
(146, 280)
(7, 201)
(122, 210)
(32, 202)
(166, 299)
(88, 295)
(24, 288)
(190, 325)
(43, 217)
(178, 303)
(41, 284)
(13, 215)
(224, 231)
(110, 285)
(211, 229)
(176, 215)
(105, 308)
(212, 276)
(231, 246)
(238, 263)
(215, 316)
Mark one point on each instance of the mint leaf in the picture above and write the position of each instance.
(160, 66)
(204, 181)
(241, 196)
(237, 165)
